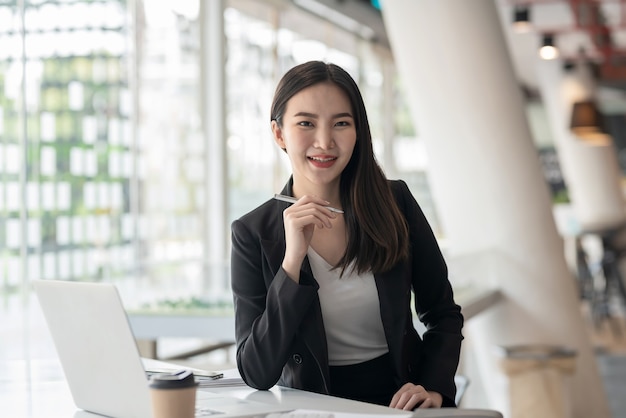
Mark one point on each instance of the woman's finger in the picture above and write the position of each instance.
(307, 216)
(409, 396)
(427, 403)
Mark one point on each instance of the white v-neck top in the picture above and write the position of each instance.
(351, 312)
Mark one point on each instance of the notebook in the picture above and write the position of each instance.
(99, 355)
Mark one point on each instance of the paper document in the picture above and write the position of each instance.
(311, 413)
(230, 377)
(205, 378)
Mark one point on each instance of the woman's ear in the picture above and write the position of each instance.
(278, 135)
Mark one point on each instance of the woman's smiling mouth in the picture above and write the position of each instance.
(322, 161)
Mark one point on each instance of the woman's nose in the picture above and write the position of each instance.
(324, 139)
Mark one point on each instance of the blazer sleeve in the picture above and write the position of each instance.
(434, 304)
(268, 310)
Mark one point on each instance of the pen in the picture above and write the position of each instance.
(202, 374)
(294, 200)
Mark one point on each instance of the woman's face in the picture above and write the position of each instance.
(319, 134)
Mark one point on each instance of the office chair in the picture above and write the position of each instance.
(461, 383)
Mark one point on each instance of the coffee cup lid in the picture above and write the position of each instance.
(177, 380)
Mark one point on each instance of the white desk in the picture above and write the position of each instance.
(297, 399)
(148, 326)
(43, 393)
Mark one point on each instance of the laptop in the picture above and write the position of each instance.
(100, 358)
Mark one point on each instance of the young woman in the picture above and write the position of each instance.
(323, 299)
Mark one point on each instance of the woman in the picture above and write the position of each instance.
(323, 299)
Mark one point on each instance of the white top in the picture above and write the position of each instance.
(351, 312)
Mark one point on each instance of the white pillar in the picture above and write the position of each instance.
(589, 165)
(213, 104)
(488, 184)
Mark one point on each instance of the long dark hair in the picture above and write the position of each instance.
(377, 230)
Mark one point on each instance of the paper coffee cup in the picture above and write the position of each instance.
(173, 395)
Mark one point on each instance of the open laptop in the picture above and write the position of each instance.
(99, 355)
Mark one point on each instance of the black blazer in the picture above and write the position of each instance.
(279, 326)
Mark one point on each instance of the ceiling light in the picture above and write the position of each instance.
(548, 50)
(586, 118)
(521, 19)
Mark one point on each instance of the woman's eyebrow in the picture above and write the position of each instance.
(314, 116)
(306, 115)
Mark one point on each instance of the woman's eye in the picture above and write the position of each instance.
(305, 123)
(343, 123)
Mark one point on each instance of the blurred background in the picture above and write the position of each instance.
(133, 132)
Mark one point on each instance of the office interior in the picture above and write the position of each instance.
(133, 132)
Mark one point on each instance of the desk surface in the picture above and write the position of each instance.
(32, 384)
(43, 393)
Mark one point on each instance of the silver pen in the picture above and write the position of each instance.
(294, 200)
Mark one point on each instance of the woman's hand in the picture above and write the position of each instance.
(301, 219)
(409, 396)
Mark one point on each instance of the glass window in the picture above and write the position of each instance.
(103, 155)
(250, 75)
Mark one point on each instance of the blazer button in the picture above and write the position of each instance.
(297, 358)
